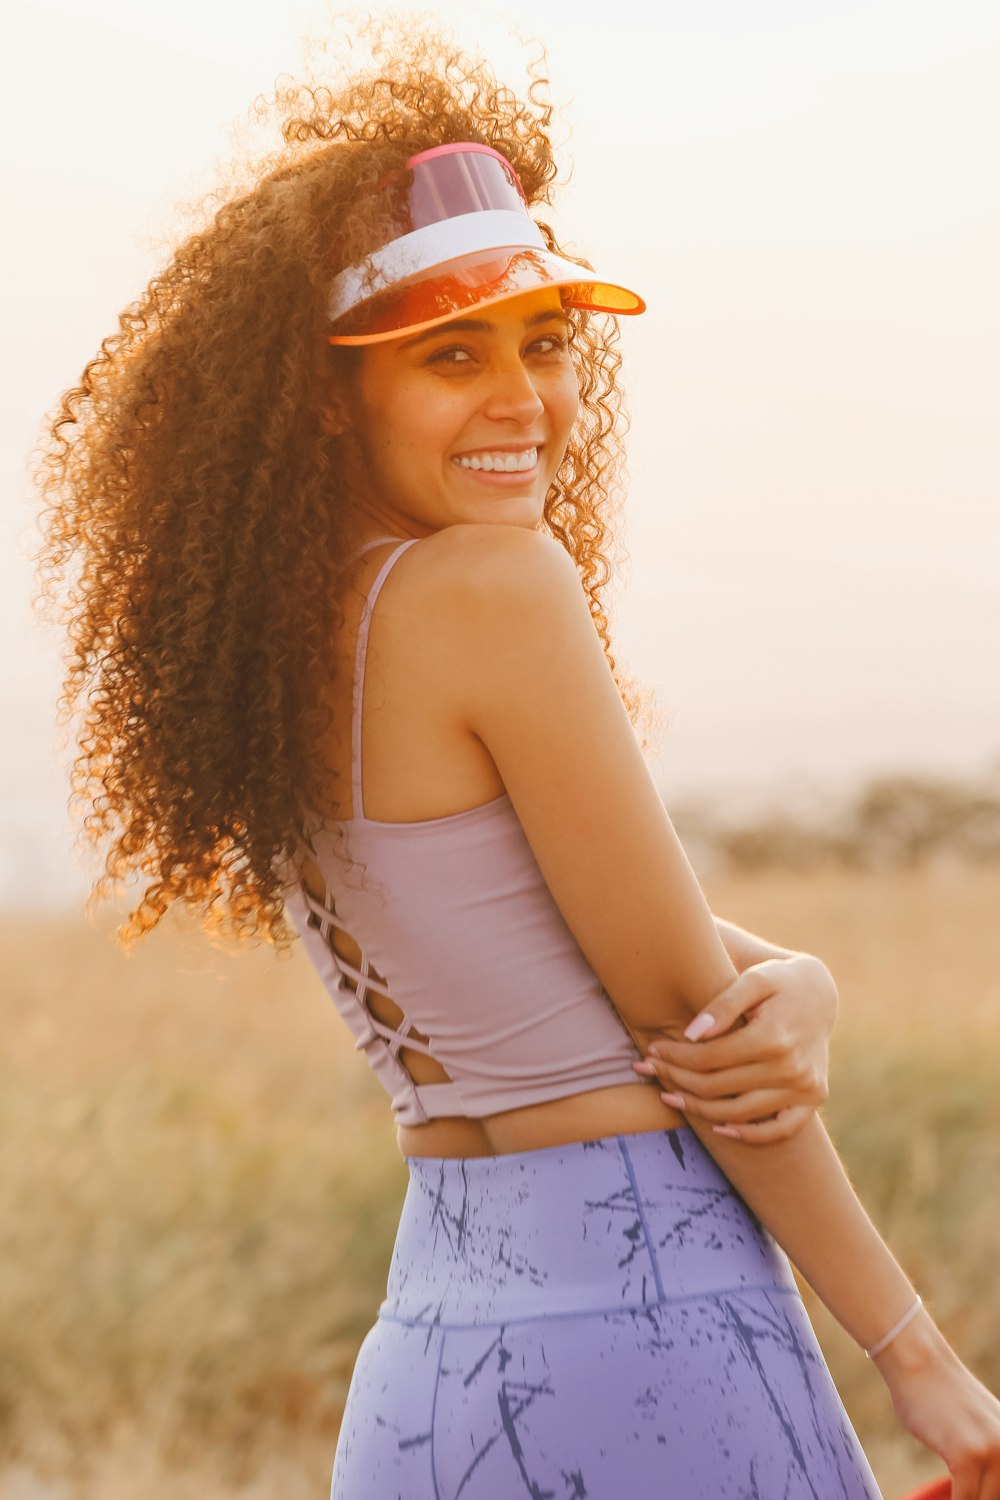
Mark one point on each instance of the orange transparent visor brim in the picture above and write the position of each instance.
(477, 281)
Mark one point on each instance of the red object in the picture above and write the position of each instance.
(938, 1489)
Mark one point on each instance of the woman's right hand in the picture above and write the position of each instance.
(945, 1407)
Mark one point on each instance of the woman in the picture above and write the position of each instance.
(374, 379)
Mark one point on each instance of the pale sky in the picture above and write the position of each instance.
(805, 193)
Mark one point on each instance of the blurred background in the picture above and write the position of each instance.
(201, 1179)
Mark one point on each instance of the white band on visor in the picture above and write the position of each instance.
(422, 249)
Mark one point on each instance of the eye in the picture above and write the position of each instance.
(444, 356)
(558, 343)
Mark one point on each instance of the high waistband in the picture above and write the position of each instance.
(617, 1224)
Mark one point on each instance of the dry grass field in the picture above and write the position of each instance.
(200, 1181)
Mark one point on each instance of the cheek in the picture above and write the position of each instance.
(565, 402)
(392, 435)
(425, 420)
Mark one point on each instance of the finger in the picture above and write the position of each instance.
(965, 1483)
(760, 1040)
(990, 1483)
(754, 1106)
(727, 1082)
(747, 990)
(963, 1488)
(784, 1125)
(797, 1083)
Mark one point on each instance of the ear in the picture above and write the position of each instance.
(337, 413)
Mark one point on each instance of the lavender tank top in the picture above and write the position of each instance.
(456, 914)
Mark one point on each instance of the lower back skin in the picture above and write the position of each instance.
(622, 1109)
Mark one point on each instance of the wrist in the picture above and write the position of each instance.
(917, 1349)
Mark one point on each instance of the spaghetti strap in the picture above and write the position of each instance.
(375, 542)
(357, 698)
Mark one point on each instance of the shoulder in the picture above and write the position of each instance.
(484, 573)
(504, 615)
(498, 613)
(488, 545)
(496, 599)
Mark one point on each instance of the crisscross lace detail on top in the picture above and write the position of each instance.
(441, 1098)
(363, 981)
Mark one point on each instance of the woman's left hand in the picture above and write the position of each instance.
(762, 1068)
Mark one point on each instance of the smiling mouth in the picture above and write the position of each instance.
(499, 460)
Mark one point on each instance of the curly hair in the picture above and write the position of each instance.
(190, 480)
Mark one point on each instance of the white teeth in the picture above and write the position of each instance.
(504, 463)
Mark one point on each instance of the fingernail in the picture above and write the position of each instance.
(699, 1026)
(727, 1130)
(643, 1067)
(675, 1099)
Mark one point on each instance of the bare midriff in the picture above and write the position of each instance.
(622, 1109)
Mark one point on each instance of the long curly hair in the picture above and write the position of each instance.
(193, 495)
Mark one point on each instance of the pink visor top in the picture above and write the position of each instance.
(463, 238)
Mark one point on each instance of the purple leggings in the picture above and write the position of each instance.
(605, 1319)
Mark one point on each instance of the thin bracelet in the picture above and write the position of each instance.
(910, 1313)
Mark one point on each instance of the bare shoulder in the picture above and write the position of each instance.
(491, 593)
(498, 580)
(494, 602)
(467, 556)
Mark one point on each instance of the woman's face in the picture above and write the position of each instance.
(441, 418)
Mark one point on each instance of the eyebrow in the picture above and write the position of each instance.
(481, 325)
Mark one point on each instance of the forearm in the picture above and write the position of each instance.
(799, 1190)
(745, 948)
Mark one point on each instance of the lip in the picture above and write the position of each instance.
(500, 448)
(499, 480)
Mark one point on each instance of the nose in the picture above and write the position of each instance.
(513, 395)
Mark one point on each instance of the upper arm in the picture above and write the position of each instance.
(533, 683)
